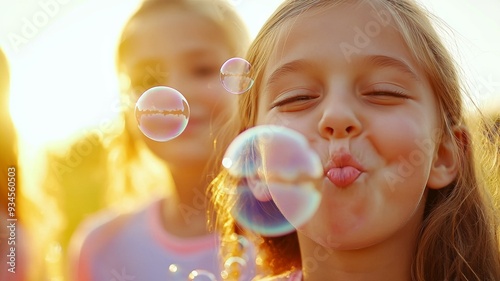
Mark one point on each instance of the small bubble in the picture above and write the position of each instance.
(235, 267)
(235, 76)
(232, 261)
(175, 273)
(173, 268)
(162, 113)
(201, 275)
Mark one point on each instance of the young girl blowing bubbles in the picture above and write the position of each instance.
(375, 92)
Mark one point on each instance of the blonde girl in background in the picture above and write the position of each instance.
(181, 44)
(370, 85)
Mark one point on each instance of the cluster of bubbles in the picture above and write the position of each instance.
(162, 113)
(232, 264)
(275, 174)
(176, 273)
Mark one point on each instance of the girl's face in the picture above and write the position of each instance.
(182, 50)
(344, 78)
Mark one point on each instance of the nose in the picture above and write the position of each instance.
(201, 90)
(206, 96)
(339, 118)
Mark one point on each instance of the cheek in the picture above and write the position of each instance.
(399, 138)
(304, 124)
(406, 148)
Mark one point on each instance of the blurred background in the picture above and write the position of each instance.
(64, 84)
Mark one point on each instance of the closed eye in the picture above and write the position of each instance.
(385, 97)
(293, 101)
(395, 94)
(290, 100)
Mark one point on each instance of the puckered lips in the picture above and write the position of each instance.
(342, 169)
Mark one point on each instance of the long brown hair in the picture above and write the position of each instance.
(459, 238)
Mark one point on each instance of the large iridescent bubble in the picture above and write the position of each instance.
(162, 113)
(276, 175)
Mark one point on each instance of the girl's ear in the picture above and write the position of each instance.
(446, 160)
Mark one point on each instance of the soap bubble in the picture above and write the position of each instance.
(162, 113)
(276, 173)
(175, 272)
(201, 275)
(235, 76)
(236, 268)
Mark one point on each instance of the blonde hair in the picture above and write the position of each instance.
(129, 155)
(459, 238)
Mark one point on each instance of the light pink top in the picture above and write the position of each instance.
(136, 247)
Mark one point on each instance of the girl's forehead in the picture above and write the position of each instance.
(163, 18)
(346, 30)
(363, 17)
(339, 39)
(169, 33)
